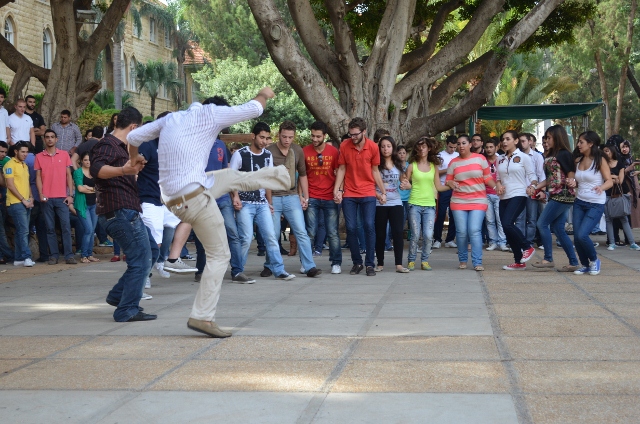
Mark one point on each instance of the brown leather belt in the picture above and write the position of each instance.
(183, 199)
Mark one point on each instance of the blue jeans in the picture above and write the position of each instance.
(469, 228)
(421, 221)
(444, 201)
(320, 232)
(5, 250)
(553, 217)
(510, 210)
(329, 210)
(37, 219)
(585, 216)
(127, 228)
(350, 207)
(528, 218)
(52, 208)
(494, 226)
(290, 207)
(233, 237)
(20, 216)
(167, 239)
(90, 220)
(261, 214)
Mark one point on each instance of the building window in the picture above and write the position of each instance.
(152, 30)
(9, 31)
(47, 49)
(136, 29)
(123, 70)
(132, 75)
(167, 37)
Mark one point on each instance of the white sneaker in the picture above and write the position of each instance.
(18, 263)
(335, 269)
(492, 247)
(302, 270)
(504, 248)
(147, 284)
(29, 262)
(161, 271)
(451, 244)
(179, 267)
(146, 296)
(611, 247)
(436, 245)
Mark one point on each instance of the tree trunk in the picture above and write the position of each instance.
(153, 106)
(118, 84)
(633, 81)
(625, 66)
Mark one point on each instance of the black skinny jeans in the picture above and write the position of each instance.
(394, 215)
(510, 209)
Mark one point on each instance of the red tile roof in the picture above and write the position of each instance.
(196, 56)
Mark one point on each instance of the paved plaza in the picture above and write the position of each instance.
(445, 346)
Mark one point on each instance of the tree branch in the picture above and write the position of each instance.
(314, 40)
(105, 29)
(451, 54)
(344, 43)
(303, 77)
(17, 62)
(417, 57)
(482, 92)
(633, 81)
(445, 90)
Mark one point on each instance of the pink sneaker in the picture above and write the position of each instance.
(515, 267)
(527, 254)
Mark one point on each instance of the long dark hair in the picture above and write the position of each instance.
(394, 154)
(609, 157)
(560, 140)
(432, 155)
(594, 139)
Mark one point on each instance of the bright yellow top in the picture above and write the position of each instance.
(19, 172)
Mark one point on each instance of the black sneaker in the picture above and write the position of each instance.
(314, 272)
(266, 272)
(356, 269)
(370, 271)
(197, 278)
(262, 252)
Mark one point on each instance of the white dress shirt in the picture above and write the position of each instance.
(20, 127)
(538, 165)
(4, 118)
(186, 138)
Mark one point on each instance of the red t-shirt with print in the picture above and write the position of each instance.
(321, 171)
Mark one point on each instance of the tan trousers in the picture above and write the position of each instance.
(204, 216)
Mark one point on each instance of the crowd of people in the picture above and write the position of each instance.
(143, 186)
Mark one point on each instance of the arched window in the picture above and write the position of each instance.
(47, 49)
(9, 31)
(152, 30)
(132, 74)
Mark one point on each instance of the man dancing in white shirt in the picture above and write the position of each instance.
(191, 194)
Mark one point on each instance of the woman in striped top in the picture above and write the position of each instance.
(467, 176)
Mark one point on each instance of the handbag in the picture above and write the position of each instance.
(619, 205)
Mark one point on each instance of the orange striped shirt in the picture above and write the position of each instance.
(471, 174)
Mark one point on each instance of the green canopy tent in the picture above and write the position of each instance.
(521, 112)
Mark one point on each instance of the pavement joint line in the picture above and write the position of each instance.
(515, 389)
(314, 405)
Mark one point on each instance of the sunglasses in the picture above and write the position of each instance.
(320, 159)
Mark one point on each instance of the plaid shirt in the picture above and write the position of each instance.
(68, 137)
(118, 192)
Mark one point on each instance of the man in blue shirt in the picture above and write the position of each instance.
(219, 159)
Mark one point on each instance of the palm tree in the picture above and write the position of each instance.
(156, 74)
(106, 99)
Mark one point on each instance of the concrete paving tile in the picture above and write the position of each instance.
(430, 327)
(207, 407)
(277, 348)
(248, 376)
(593, 377)
(346, 289)
(611, 287)
(17, 288)
(525, 278)
(421, 376)
(302, 327)
(563, 327)
(433, 408)
(18, 347)
(8, 322)
(608, 298)
(574, 348)
(335, 298)
(8, 365)
(79, 374)
(435, 298)
(167, 326)
(549, 310)
(532, 287)
(414, 310)
(53, 302)
(239, 309)
(319, 311)
(456, 286)
(61, 327)
(575, 409)
(635, 321)
(626, 310)
(110, 347)
(71, 407)
(461, 348)
(549, 298)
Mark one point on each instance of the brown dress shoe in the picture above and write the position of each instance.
(209, 328)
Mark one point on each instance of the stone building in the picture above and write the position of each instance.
(27, 25)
